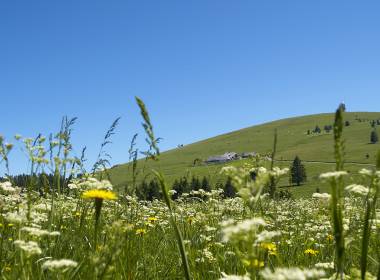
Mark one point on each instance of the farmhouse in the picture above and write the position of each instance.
(223, 158)
(248, 154)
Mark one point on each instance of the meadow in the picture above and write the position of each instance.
(315, 150)
(85, 225)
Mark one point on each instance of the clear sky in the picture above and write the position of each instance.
(203, 67)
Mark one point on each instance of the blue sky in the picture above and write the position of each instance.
(202, 67)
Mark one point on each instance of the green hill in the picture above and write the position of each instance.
(315, 150)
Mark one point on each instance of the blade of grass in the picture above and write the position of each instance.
(178, 234)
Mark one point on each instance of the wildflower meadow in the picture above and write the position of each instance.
(67, 222)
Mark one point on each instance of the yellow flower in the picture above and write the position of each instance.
(311, 252)
(152, 219)
(253, 263)
(190, 220)
(140, 231)
(99, 194)
(330, 238)
(271, 247)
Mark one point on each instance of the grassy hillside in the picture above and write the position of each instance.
(292, 140)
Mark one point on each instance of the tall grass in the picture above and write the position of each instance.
(153, 145)
(337, 191)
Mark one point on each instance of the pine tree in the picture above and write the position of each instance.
(374, 137)
(185, 186)
(142, 190)
(175, 188)
(297, 172)
(206, 185)
(195, 184)
(229, 189)
(153, 191)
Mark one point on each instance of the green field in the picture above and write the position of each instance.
(316, 150)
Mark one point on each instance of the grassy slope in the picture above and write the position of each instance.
(292, 140)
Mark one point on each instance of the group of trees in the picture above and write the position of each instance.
(42, 182)
(183, 185)
(327, 128)
(150, 190)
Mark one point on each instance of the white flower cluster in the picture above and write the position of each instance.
(200, 192)
(7, 188)
(15, 217)
(321, 196)
(332, 175)
(39, 232)
(234, 277)
(62, 264)
(278, 172)
(30, 248)
(230, 230)
(267, 236)
(292, 274)
(90, 183)
(357, 189)
(368, 172)
(326, 266)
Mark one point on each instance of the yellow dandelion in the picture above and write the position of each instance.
(310, 252)
(271, 247)
(152, 219)
(140, 231)
(99, 194)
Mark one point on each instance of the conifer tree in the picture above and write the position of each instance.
(374, 137)
(297, 172)
(195, 184)
(229, 189)
(205, 184)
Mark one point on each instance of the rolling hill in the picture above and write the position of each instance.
(315, 150)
